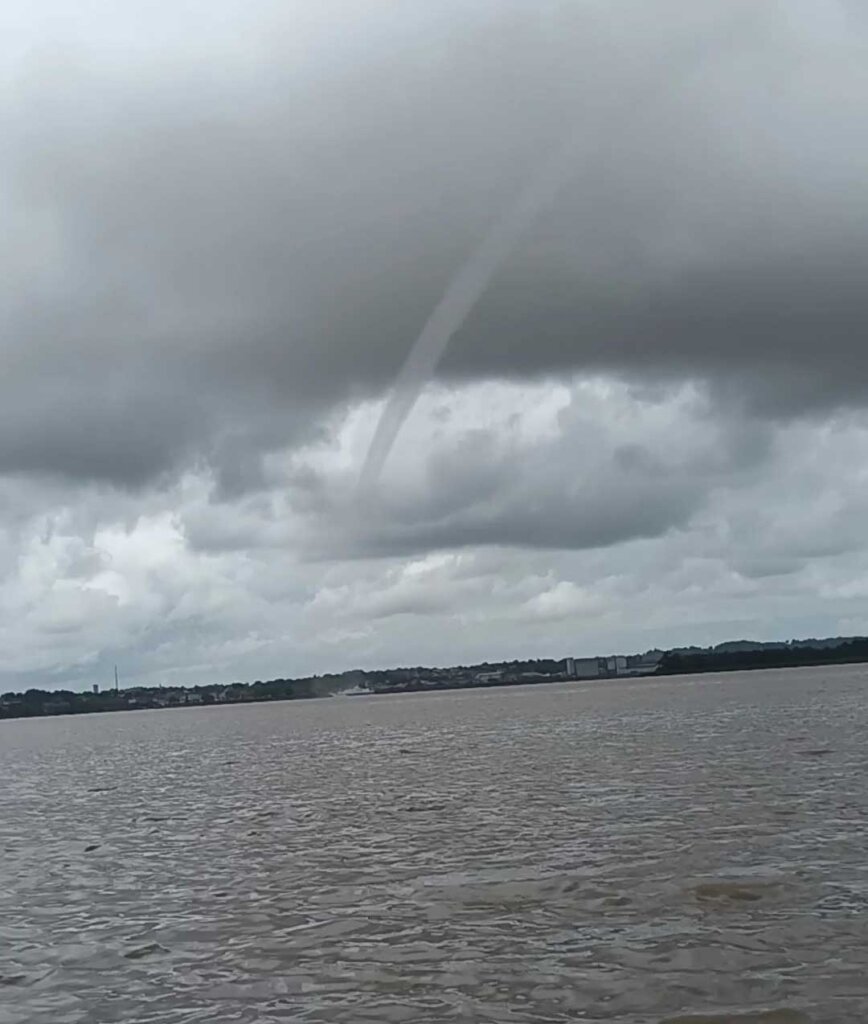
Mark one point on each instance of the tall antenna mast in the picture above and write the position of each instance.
(116, 679)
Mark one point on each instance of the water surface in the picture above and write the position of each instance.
(648, 851)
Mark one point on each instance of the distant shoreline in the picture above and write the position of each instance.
(733, 656)
(847, 652)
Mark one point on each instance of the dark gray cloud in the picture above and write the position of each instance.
(575, 493)
(206, 257)
(222, 229)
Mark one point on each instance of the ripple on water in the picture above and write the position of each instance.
(760, 1017)
(729, 891)
(660, 852)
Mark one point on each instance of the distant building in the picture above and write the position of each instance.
(643, 664)
(611, 666)
(96, 687)
(586, 668)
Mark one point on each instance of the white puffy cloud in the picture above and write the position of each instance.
(764, 537)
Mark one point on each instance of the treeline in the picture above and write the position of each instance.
(35, 703)
(731, 657)
(38, 703)
(793, 656)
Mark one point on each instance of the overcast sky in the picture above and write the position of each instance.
(223, 223)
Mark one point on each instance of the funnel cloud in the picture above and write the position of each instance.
(473, 278)
(462, 294)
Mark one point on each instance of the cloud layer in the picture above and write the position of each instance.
(223, 230)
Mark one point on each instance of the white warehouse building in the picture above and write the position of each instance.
(583, 668)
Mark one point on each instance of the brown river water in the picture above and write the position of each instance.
(690, 850)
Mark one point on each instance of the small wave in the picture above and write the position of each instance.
(734, 891)
(781, 1016)
(140, 952)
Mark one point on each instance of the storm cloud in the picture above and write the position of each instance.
(232, 247)
(223, 230)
